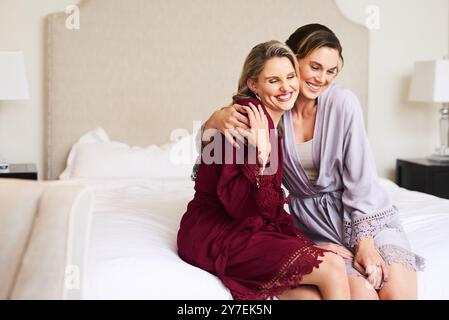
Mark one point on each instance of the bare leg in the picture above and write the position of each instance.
(401, 285)
(330, 278)
(361, 289)
(302, 293)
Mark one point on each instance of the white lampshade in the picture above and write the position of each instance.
(13, 80)
(430, 82)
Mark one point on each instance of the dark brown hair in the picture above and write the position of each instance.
(313, 36)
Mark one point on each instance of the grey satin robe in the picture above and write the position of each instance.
(346, 202)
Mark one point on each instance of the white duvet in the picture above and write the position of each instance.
(132, 253)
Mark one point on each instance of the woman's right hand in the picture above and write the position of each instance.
(227, 120)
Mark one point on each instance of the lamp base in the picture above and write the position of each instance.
(4, 167)
(437, 157)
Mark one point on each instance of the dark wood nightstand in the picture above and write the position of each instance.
(423, 175)
(21, 171)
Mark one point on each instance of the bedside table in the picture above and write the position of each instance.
(423, 175)
(21, 171)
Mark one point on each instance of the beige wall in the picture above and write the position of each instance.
(22, 122)
(410, 30)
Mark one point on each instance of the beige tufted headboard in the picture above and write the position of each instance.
(140, 68)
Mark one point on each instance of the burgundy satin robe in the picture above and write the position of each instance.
(236, 227)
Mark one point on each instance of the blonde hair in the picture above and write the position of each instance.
(255, 62)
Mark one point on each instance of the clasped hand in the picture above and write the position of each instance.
(247, 124)
(369, 262)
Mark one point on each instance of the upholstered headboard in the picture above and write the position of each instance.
(141, 68)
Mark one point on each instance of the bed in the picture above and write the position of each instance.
(146, 73)
(133, 249)
(115, 238)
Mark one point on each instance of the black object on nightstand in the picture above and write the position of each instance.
(423, 175)
(21, 171)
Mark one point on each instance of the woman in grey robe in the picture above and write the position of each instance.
(331, 175)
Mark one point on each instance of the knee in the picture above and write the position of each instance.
(396, 294)
(402, 284)
(334, 266)
(303, 292)
(364, 295)
(361, 289)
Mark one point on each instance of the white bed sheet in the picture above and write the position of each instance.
(132, 252)
(133, 244)
(426, 221)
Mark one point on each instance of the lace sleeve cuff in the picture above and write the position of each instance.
(367, 226)
(254, 174)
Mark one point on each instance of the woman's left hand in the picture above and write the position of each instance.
(337, 249)
(259, 133)
(368, 261)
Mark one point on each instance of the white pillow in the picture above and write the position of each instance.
(94, 156)
(98, 135)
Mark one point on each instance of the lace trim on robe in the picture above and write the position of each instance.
(268, 196)
(366, 227)
(394, 254)
(300, 263)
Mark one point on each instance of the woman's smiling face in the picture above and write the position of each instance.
(277, 85)
(317, 71)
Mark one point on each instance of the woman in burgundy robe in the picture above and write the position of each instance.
(331, 174)
(236, 227)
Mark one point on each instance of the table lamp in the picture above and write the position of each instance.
(13, 83)
(430, 83)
